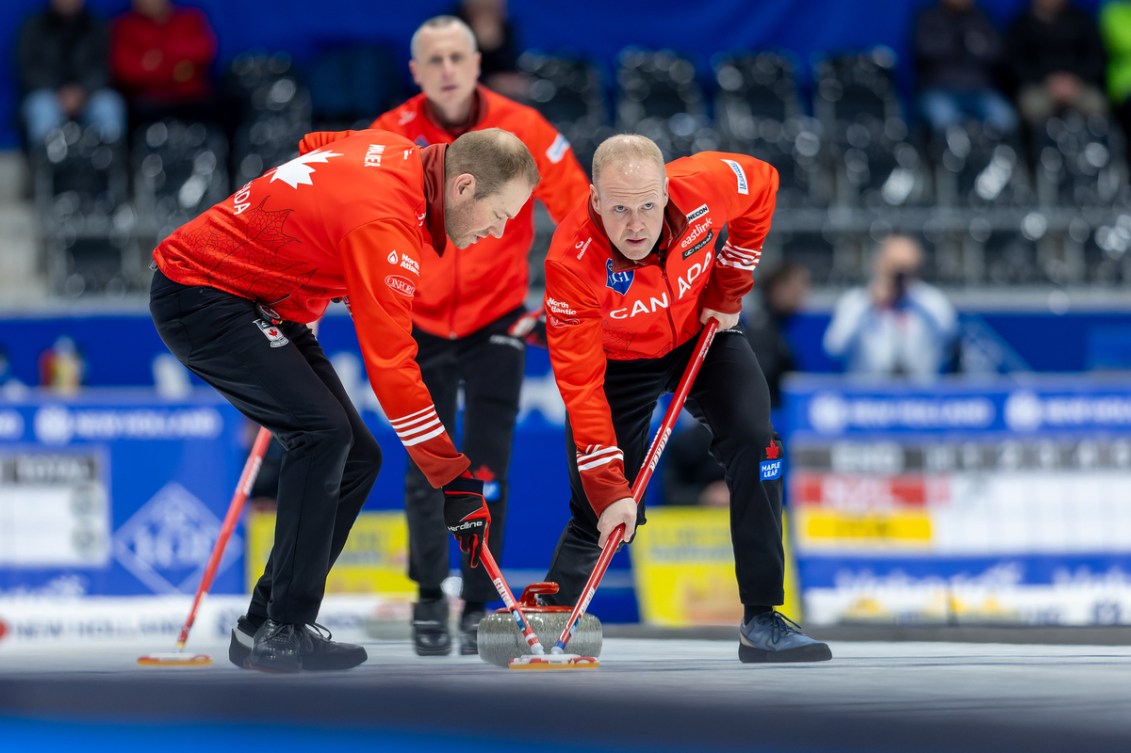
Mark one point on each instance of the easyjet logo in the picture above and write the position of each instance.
(400, 285)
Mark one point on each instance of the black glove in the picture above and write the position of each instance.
(466, 515)
(530, 327)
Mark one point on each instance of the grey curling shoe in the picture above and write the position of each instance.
(773, 637)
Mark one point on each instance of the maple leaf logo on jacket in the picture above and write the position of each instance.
(299, 170)
(772, 451)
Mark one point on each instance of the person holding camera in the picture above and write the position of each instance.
(897, 326)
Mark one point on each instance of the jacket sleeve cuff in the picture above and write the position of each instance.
(603, 499)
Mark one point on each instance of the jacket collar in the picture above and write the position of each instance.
(675, 225)
(432, 158)
(474, 117)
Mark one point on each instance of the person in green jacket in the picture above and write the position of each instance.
(1115, 26)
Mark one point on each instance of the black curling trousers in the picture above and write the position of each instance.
(729, 397)
(488, 365)
(330, 459)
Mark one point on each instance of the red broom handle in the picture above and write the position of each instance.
(235, 507)
(642, 478)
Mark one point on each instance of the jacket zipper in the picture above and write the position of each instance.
(455, 300)
(671, 298)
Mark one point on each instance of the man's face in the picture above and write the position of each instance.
(630, 199)
(445, 65)
(468, 219)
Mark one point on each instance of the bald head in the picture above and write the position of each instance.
(625, 151)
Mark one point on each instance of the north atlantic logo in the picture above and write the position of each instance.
(771, 467)
(618, 281)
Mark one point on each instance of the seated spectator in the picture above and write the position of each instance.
(691, 475)
(783, 292)
(1057, 56)
(161, 57)
(64, 71)
(898, 326)
(498, 46)
(957, 50)
(1115, 27)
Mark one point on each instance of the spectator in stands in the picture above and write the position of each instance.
(64, 70)
(161, 57)
(469, 315)
(898, 326)
(691, 475)
(1115, 26)
(957, 50)
(783, 293)
(1057, 56)
(498, 46)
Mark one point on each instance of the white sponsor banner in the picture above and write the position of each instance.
(154, 622)
(977, 604)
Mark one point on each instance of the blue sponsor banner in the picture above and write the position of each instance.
(119, 348)
(117, 494)
(821, 407)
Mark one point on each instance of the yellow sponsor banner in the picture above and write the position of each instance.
(683, 564)
(824, 527)
(375, 558)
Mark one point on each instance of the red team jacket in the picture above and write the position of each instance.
(600, 305)
(463, 292)
(352, 216)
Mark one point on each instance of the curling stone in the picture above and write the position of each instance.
(500, 640)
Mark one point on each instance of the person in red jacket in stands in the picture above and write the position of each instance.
(469, 313)
(352, 217)
(632, 276)
(161, 56)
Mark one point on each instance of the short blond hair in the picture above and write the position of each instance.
(626, 147)
(494, 156)
(439, 22)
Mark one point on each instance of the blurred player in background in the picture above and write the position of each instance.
(352, 217)
(631, 277)
(469, 319)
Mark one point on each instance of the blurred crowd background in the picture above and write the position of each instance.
(989, 132)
